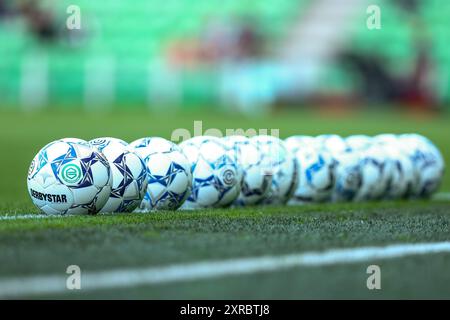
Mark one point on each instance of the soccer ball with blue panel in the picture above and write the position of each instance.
(376, 169)
(256, 180)
(69, 177)
(293, 142)
(404, 176)
(346, 167)
(129, 174)
(348, 176)
(75, 140)
(333, 143)
(427, 161)
(147, 146)
(385, 139)
(358, 142)
(168, 174)
(316, 176)
(279, 161)
(216, 173)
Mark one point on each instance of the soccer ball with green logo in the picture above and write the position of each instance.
(68, 176)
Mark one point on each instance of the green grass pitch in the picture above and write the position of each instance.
(31, 247)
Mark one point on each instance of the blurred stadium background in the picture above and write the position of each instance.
(240, 55)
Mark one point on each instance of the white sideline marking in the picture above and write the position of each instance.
(122, 278)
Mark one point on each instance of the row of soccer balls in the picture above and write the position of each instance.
(73, 176)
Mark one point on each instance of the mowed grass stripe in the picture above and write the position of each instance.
(438, 199)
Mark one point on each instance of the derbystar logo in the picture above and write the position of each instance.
(56, 198)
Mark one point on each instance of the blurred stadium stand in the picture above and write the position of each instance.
(147, 53)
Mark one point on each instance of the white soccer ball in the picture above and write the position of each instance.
(293, 142)
(144, 147)
(74, 140)
(333, 143)
(376, 169)
(280, 162)
(69, 177)
(358, 142)
(168, 174)
(315, 181)
(256, 181)
(216, 173)
(129, 174)
(404, 177)
(385, 139)
(347, 170)
(428, 163)
(348, 176)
